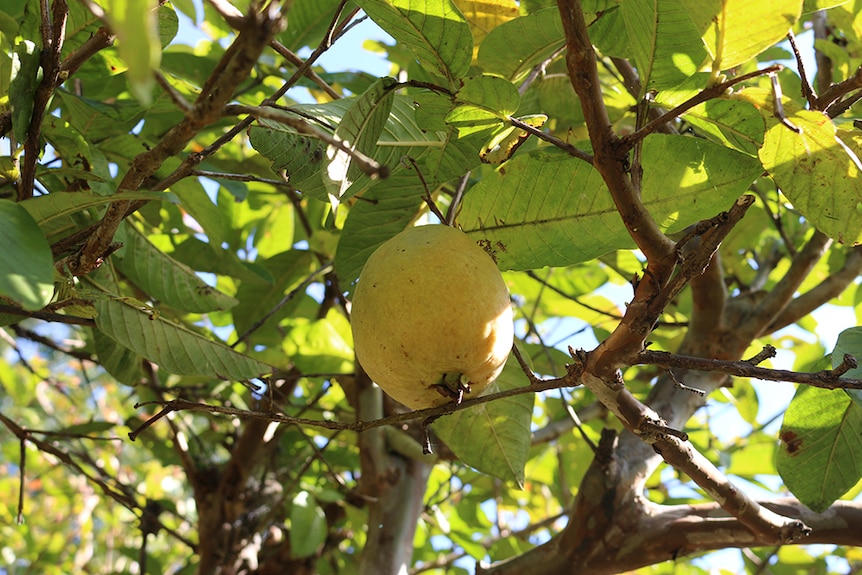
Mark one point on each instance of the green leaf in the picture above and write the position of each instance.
(850, 342)
(820, 456)
(135, 23)
(435, 31)
(308, 527)
(26, 263)
(493, 437)
(359, 129)
(390, 208)
(546, 208)
(512, 49)
(165, 279)
(809, 6)
(817, 171)
(173, 347)
(89, 428)
(307, 22)
(302, 157)
(483, 102)
(744, 29)
(97, 120)
(26, 75)
(665, 41)
(53, 212)
(257, 297)
(122, 363)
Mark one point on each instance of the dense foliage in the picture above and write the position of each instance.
(675, 213)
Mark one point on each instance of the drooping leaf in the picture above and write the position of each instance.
(817, 171)
(135, 23)
(435, 31)
(820, 456)
(744, 29)
(493, 437)
(547, 208)
(26, 263)
(513, 48)
(122, 363)
(359, 130)
(307, 22)
(666, 43)
(167, 280)
(173, 347)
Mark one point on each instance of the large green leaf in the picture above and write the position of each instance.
(820, 456)
(744, 29)
(389, 208)
(512, 49)
(175, 348)
(666, 43)
(122, 363)
(359, 130)
(26, 264)
(818, 172)
(307, 22)
(165, 279)
(493, 437)
(435, 32)
(303, 157)
(549, 209)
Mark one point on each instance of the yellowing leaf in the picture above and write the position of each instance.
(485, 15)
(743, 29)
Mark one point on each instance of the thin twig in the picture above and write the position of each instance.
(826, 379)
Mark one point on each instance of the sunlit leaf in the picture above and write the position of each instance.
(435, 31)
(743, 29)
(820, 456)
(136, 24)
(665, 41)
(547, 208)
(513, 48)
(359, 130)
(817, 171)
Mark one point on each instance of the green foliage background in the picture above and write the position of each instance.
(230, 283)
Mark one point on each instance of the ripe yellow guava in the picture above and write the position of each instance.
(431, 317)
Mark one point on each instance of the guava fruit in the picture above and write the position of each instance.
(431, 317)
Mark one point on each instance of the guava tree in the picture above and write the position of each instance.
(184, 222)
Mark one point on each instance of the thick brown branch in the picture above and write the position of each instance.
(827, 379)
(609, 153)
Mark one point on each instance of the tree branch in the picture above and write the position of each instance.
(827, 379)
(234, 66)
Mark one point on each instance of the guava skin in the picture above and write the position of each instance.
(431, 317)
